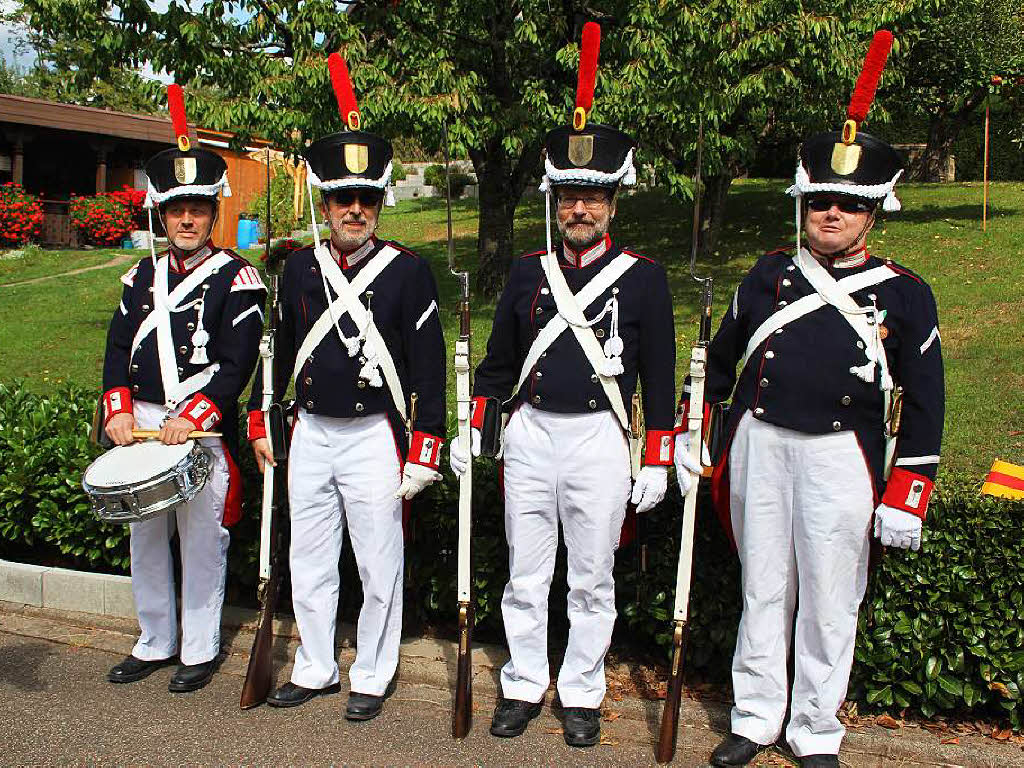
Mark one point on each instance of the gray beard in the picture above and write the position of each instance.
(345, 242)
(580, 244)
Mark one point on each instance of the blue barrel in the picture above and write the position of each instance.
(245, 230)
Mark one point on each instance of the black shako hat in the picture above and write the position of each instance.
(587, 153)
(184, 171)
(353, 158)
(851, 162)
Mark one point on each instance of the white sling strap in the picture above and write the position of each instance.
(839, 291)
(348, 303)
(570, 315)
(159, 319)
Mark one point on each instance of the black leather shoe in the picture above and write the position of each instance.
(363, 706)
(192, 677)
(819, 761)
(582, 726)
(736, 750)
(292, 695)
(132, 669)
(511, 716)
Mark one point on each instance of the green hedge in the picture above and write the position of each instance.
(941, 630)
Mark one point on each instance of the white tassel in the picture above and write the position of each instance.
(611, 367)
(352, 344)
(864, 372)
(200, 338)
(389, 197)
(629, 178)
(199, 356)
(545, 183)
(370, 373)
(225, 187)
(891, 203)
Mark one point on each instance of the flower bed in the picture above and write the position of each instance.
(106, 218)
(21, 216)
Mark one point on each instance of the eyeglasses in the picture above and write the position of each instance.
(368, 198)
(844, 204)
(590, 202)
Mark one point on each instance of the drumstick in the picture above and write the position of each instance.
(150, 434)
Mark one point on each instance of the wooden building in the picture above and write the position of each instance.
(59, 150)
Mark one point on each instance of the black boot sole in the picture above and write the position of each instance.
(504, 733)
(336, 688)
(582, 741)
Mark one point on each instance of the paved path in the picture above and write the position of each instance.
(117, 260)
(57, 708)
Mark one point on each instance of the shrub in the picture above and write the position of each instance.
(433, 176)
(940, 630)
(21, 215)
(398, 171)
(106, 218)
(282, 206)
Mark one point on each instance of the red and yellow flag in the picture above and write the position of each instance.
(1005, 479)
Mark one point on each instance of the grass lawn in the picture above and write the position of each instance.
(28, 263)
(54, 331)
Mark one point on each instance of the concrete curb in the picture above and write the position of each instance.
(62, 589)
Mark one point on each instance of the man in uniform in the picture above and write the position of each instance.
(823, 337)
(360, 335)
(574, 330)
(181, 347)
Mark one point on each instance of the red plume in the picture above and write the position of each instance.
(343, 91)
(588, 65)
(874, 63)
(176, 105)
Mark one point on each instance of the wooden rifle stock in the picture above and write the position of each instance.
(670, 714)
(259, 674)
(463, 714)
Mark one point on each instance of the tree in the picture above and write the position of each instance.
(948, 73)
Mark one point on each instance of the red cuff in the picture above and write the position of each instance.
(202, 412)
(908, 491)
(256, 427)
(476, 419)
(683, 415)
(425, 449)
(115, 401)
(659, 447)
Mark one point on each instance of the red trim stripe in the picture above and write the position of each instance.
(1007, 480)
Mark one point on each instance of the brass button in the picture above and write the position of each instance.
(313, 270)
(599, 333)
(361, 384)
(535, 399)
(836, 426)
(362, 360)
(539, 375)
(181, 370)
(206, 286)
(543, 355)
(786, 283)
(759, 411)
(190, 326)
(145, 307)
(308, 381)
(769, 354)
(778, 331)
(846, 400)
(537, 311)
(135, 367)
(592, 403)
(183, 349)
(309, 359)
(593, 378)
(790, 268)
(860, 344)
(309, 403)
(763, 383)
(783, 303)
(359, 407)
(135, 387)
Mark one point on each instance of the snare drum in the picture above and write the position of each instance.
(134, 482)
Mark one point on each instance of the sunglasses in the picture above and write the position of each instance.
(368, 198)
(844, 204)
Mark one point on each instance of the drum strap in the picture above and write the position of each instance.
(159, 320)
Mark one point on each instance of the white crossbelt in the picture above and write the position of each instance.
(348, 303)
(160, 320)
(570, 308)
(839, 291)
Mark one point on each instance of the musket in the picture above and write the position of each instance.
(462, 714)
(695, 424)
(259, 674)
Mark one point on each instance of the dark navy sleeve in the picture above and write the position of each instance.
(918, 369)
(285, 349)
(658, 355)
(117, 396)
(498, 372)
(423, 342)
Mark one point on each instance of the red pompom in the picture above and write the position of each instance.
(874, 63)
(588, 65)
(176, 105)
(343, 91)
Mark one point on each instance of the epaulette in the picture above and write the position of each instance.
(248, 279)
(128, 278)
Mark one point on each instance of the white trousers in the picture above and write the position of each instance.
(801, 511)
(573, 469)
(345, 472)
(203, 543)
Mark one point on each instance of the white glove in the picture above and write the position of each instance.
(415, 477)
(649, 488)
(457, 458)
(687, 470)
(896, 528)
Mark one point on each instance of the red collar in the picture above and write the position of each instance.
(186, 261)
(846, 261)
(346, 259)
(587, 255)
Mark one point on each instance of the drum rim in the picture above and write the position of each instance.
(118, 489)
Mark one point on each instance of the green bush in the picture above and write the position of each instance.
(433, 176)
(397, 171)
(282, 211)
(941, 630)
